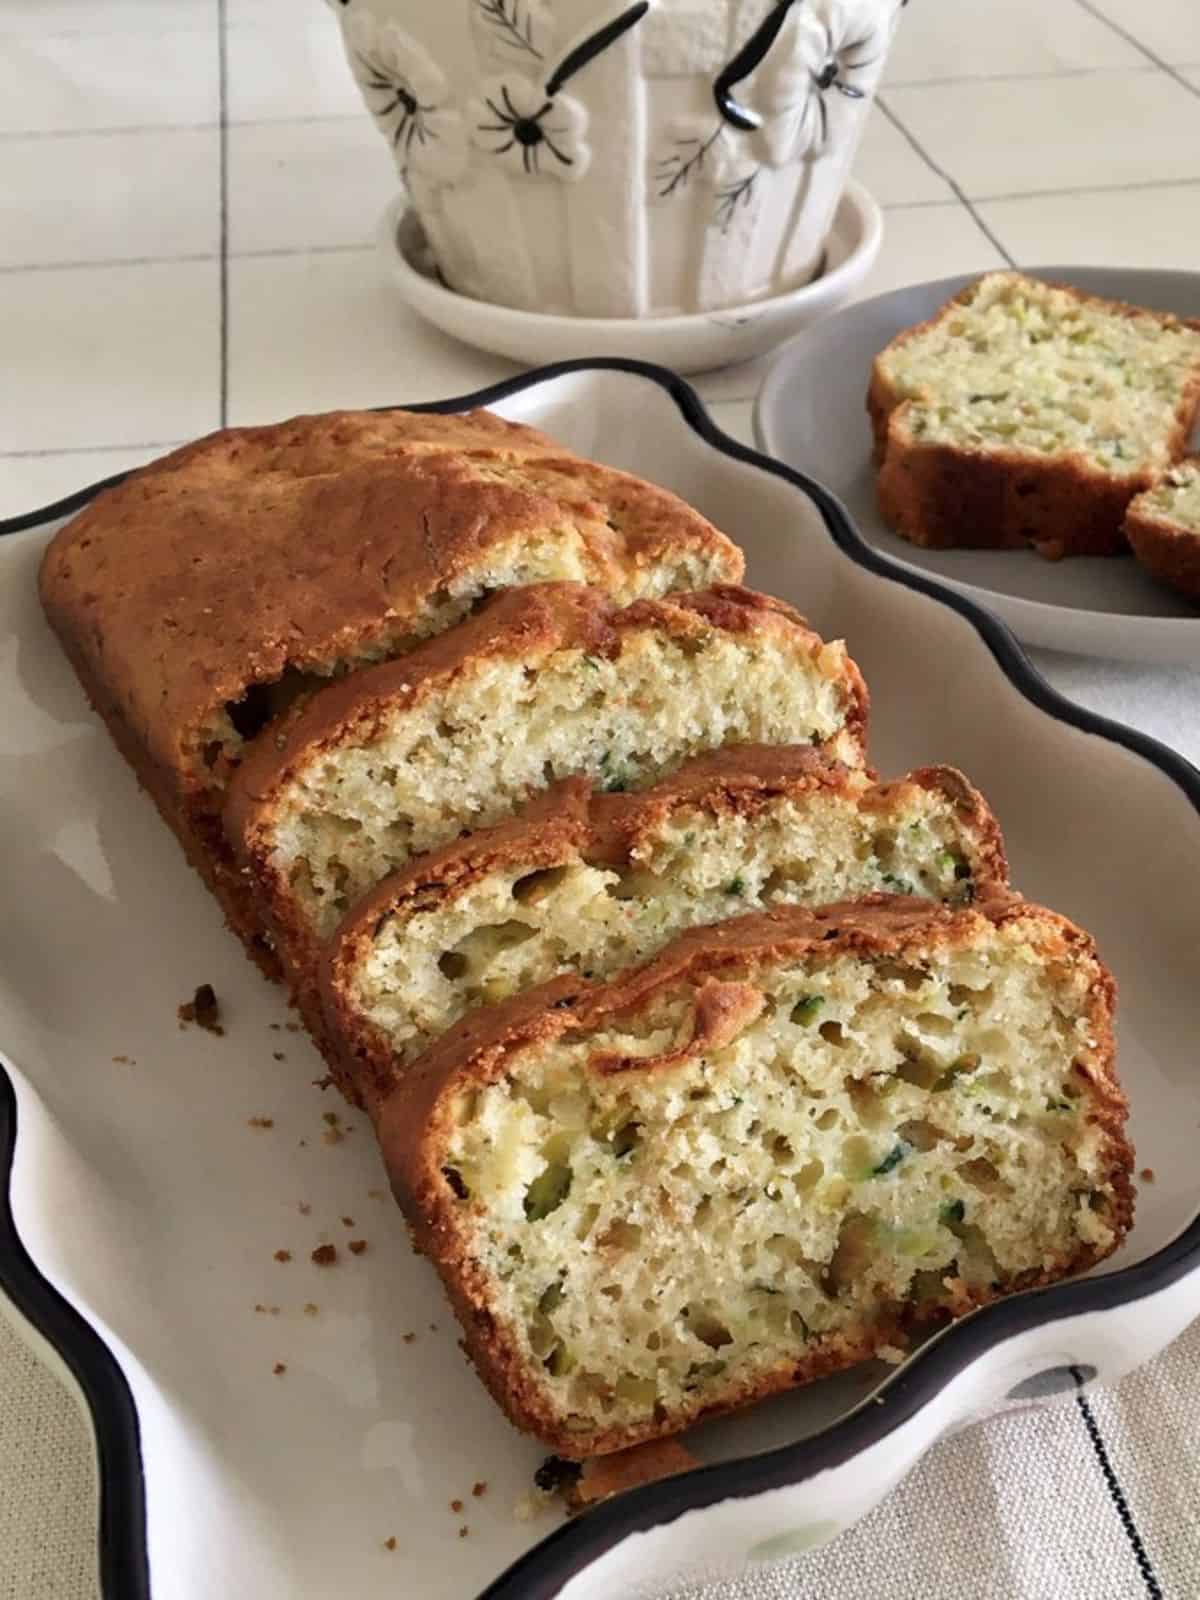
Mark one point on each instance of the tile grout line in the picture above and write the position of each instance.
(1012, 77)
(16, 268)
(1142, 49)
(206, 126)
(223, 159)
(946, 178)
(89, 449)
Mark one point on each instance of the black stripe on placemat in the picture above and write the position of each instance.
(223, 158)
(1116, 1493)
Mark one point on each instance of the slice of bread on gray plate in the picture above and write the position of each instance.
(1028, 413)
(784, 1146)
(591, 883)
(200, 596)
(541, 684)
(1163, 528)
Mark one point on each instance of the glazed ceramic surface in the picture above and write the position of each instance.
(811, 413)
(597, 159)
(696, 343)
(152, 1199)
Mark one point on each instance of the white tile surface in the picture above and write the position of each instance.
(70, 83)
(1135, 228)
(1000, 138)
(978, 38)
(309, 333)
(293, 185)
(257, 13)
(108, 355)
(1170, 28)
(929, 242)
(892, 170)
(154, 193)
(108, 17)
(29, 482)
(296, 70)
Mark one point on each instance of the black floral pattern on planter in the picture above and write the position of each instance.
(532, 126)
(512, 23)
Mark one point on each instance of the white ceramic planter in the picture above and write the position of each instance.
(598, 158)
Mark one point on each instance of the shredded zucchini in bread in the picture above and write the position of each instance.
(784, 1145)
(543, 683)
(491, 915)
(1028, 413)
(1163, 528)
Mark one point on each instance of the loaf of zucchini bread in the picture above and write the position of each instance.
(592, 883)
(1027, 413)
(211, 588)
(541, 684)
(783, 1146)
(1163, 528)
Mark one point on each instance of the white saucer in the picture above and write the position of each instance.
(693, 343)
(811, 413)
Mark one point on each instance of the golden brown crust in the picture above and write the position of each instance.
(414, 1121)
(529, 624)
(1167, 549)
(305, 547)
(943, 496)
(259, 550)
(569, 824)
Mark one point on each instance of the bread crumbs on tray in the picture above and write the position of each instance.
(311, 1309)
(283, 1255)
(356, 1246)
(479, 1489)
(390, 1544)
(376, 1194)
(266, 1311)
(1147, 1174)
(260, 1122)
(456, 1506)
(204, 1009)
(279, 1368)
(325, 1255)
(347, 1222)
(463, 1531)
(124, 1061)
(408, 1338)
(304, 1208)
(278, 1055)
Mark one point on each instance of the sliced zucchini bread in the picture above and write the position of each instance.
(1163, 527)
(591, 883)
(1028, 413)
(778, 1149)
(541, 684)
(200, 596)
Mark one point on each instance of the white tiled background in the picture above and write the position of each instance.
(188, 190)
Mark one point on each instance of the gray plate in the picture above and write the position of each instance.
(811, 414)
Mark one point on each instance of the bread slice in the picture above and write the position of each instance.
(594, 883)
(1163, 528)
(780, 1148)
(200, 596)
(1028, 413)
(541, 684)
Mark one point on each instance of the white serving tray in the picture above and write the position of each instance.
(145, 1211)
